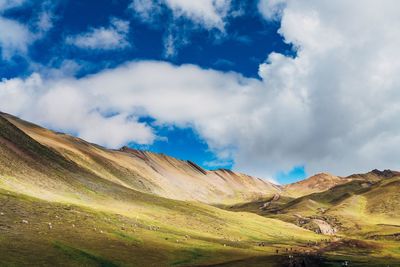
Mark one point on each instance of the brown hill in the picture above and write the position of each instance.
(141, 170)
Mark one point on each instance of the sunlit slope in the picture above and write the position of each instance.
(167, 233)
(373, 210)
(75, 216)
(152, 173)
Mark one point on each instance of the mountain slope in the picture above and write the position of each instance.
(66, 202)
(149, 172)
(359, 208)
(58, 212)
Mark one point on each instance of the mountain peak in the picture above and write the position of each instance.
(385, 173)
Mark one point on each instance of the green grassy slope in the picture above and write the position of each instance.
(362, 211)
(163, 233)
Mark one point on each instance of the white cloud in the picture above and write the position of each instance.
(63, 105)
(334, 107)
(45, 19)
(7, 4)
(146, 10)
(272, 9)
(113, 37)
(207, 13)
(14, 36)
(346, 78)
(187, 16)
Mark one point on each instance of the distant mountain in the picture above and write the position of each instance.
(374, 175)
(316, 183)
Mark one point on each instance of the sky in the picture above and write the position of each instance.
(278, 89)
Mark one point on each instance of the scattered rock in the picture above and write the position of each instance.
(25, 221)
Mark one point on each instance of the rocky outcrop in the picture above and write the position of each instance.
(269, 202)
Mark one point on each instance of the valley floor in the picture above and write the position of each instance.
(40, 233)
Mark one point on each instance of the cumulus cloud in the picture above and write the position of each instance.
(63, 105)
(110, 38)
(345, 80)
(165, 92)
(334, 107)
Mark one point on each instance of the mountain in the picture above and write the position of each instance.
(67, 202)
(374, 175)
(150, 172)
(316, 183)
(324, 181)
(358, 208)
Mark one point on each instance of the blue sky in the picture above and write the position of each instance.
(242, 47)
(276, 89)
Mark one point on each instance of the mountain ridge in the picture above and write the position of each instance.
(161, 174)
(150, 172)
